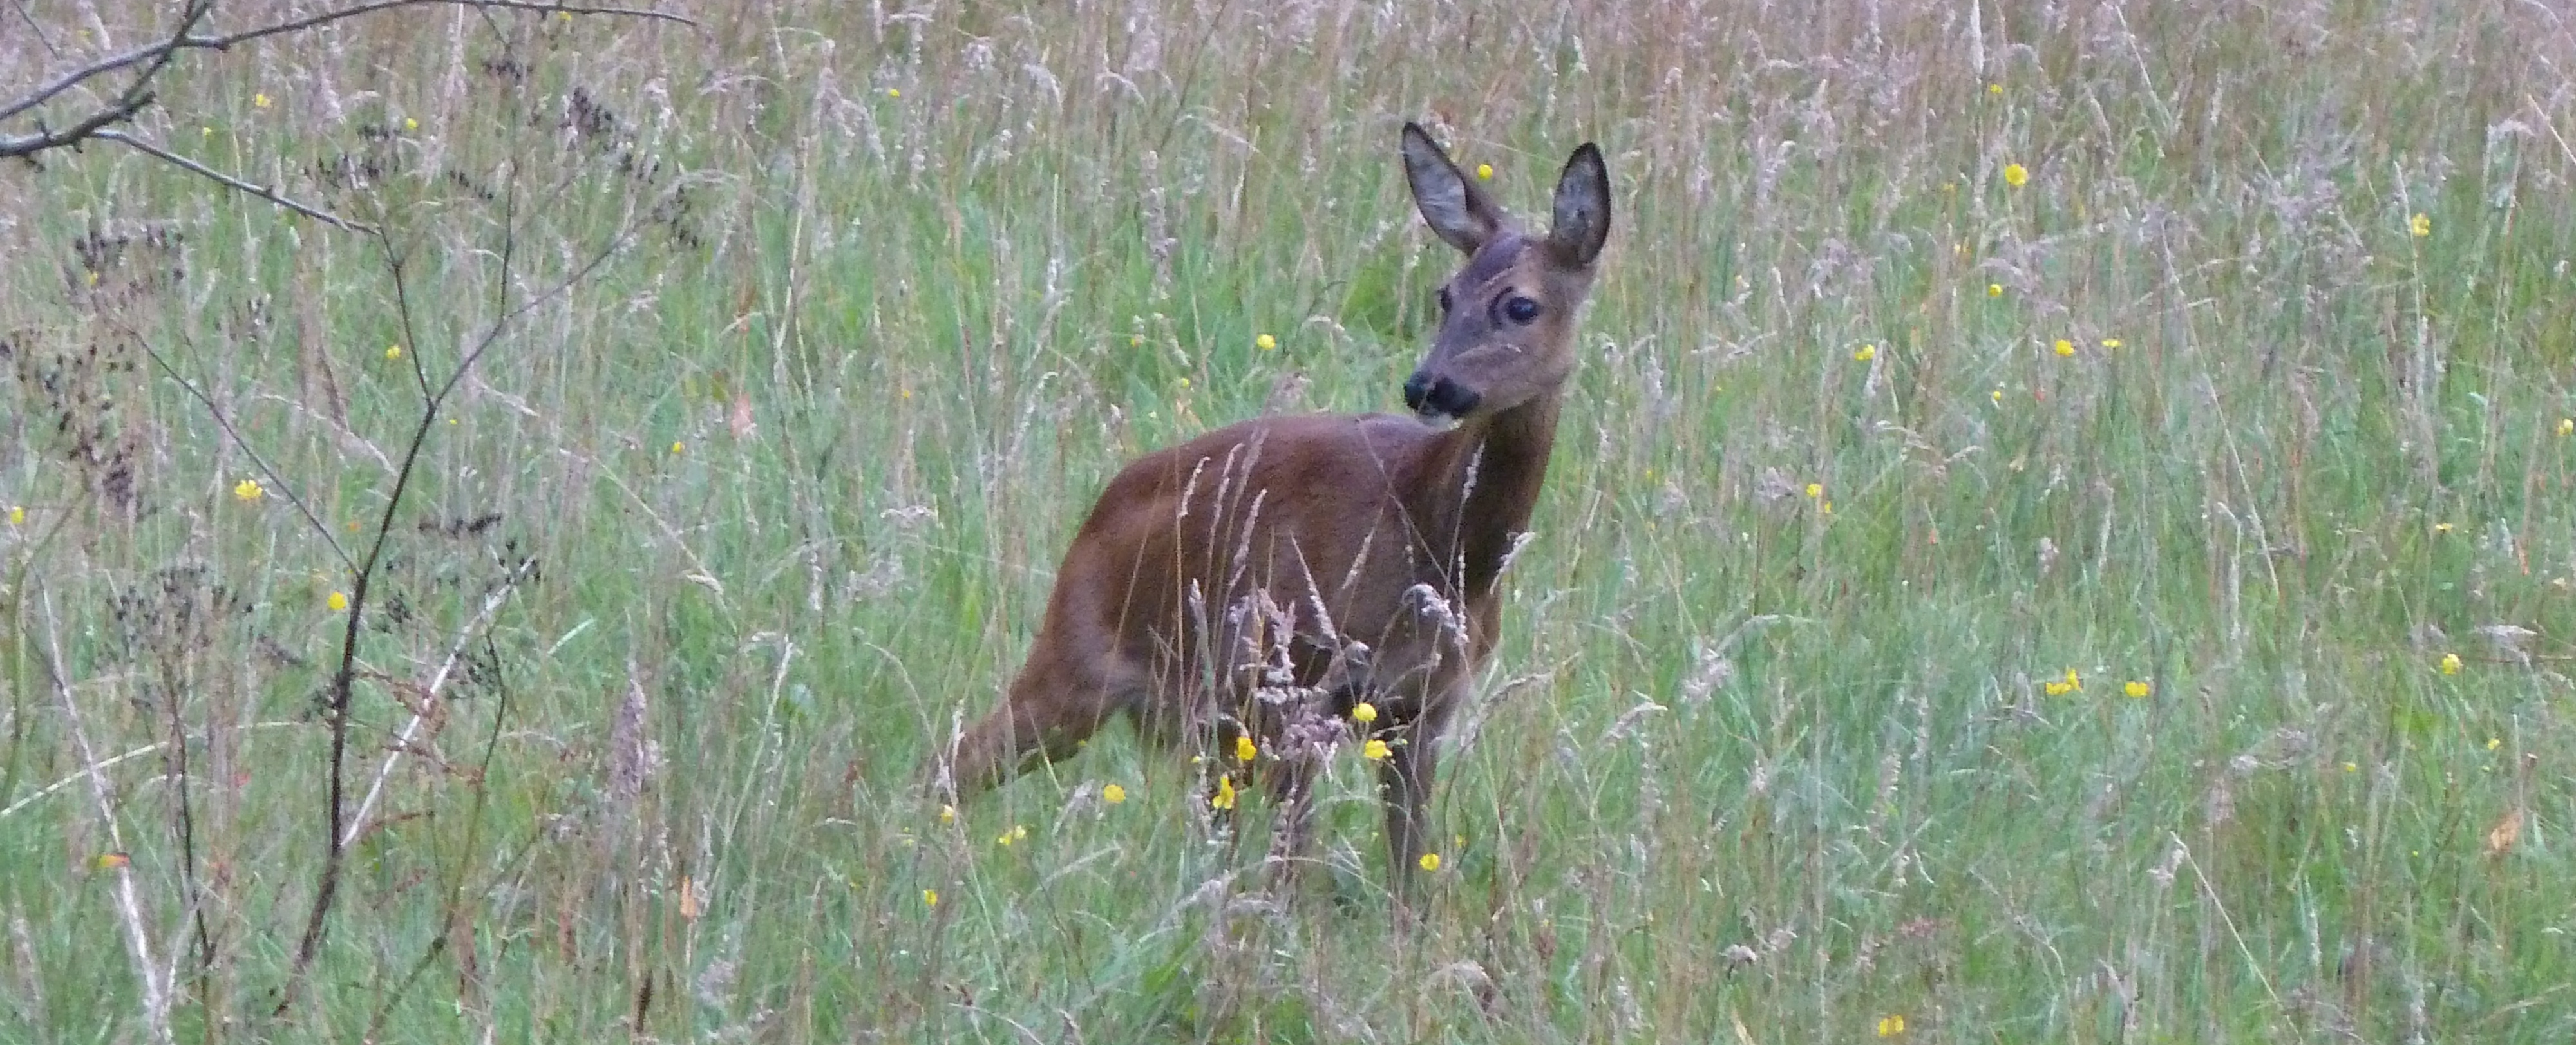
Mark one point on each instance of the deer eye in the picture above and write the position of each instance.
(1521, 310)
(1444, 301)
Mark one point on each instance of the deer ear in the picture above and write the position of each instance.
(1582, 221)
(1456, 210)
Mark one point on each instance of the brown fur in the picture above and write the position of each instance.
(1268, 576)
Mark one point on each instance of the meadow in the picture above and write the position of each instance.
(2063, 530)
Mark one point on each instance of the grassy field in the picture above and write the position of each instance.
(2063, 531)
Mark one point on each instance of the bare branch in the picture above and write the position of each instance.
(228, 181)
(123, 109)
(157, 56)
(137, 95)
(341, 827)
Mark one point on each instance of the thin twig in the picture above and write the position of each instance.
(110, 762)
(138, 944)
(228, 181)
(37, 29)
(183, 787)
(270, 472)
(83, 773)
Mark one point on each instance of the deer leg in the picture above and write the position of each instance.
(1292, 794)
(1406, 778)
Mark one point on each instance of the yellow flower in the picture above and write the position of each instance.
(2065, 347)
(677, 446)
(1363, 712)
(2494, 743)
(260, 100)
(1376, 751)
(930, 898)
(2136, 688)
(2054, 688)
(947, 815)
(1865, 353)
(1994, 290)
(393, 351)
(18, 517)
(1429, 861)
(2352, 767)
(2420, 225)
(1891, 1026)
(893, 93)
(1113, 794)
(2567, 426)
(2073, 681)
(1244, 749)
(248, 490)
(1997, 395)
(2110, 342)
(1997, 90)
(1016, 833)
(2016, 175)
(1484, 172)
(338, 602)
(1815, 490)
(2441, 527)
(2450, 663)
(1265, 342)
(410, 124)
(1224, 796)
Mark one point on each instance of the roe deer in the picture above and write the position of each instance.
(1263, 580)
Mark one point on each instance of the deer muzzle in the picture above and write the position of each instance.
(1435, 398)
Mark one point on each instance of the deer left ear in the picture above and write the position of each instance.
(1456, 210)
(1582, 221)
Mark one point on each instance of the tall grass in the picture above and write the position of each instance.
(1780, 744)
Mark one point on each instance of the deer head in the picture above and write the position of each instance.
(1507, 317)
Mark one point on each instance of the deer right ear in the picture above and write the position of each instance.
(1456, 210)
(1582, 221)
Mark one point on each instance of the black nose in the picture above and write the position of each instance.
(1438, 396)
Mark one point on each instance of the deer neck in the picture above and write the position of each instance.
(1495, 466)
